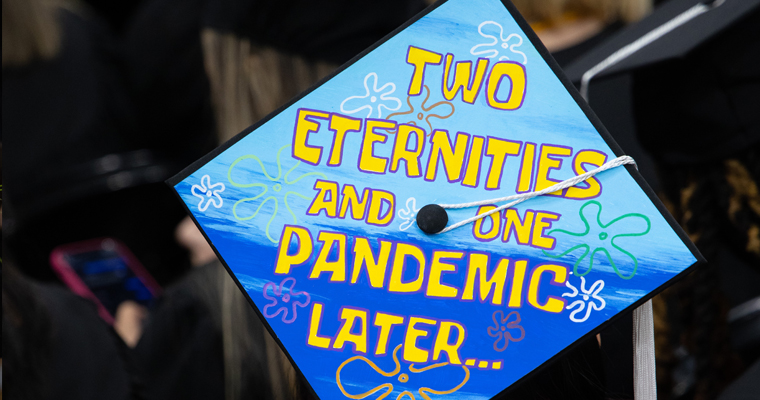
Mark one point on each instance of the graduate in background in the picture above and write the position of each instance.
(569, 28)
(204, 340)
(695, 95)
(698, 117)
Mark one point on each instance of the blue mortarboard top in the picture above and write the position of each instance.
(313, 211)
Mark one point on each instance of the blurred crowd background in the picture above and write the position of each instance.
(104, 100)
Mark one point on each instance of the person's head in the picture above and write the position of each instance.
(550, 10)
(30, 31)
(248, 81)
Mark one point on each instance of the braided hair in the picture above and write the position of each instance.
(718, 205)
(696, 115)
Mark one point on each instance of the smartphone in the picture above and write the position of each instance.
(106, 272)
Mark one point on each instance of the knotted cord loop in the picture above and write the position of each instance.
(519, 198)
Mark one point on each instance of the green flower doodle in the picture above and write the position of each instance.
(601, 238)
(279, 185)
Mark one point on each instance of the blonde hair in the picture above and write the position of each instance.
(249, 81)
(238, 342)
(551, 10)
(30, 31)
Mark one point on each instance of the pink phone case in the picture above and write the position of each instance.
(67, 274)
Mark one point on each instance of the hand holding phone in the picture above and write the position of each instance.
(106, 272)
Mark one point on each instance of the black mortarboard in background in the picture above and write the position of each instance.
(696, 89)
(678, 43)
(705, 106)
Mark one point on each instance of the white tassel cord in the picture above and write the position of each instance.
(519, 198)
(644, 374)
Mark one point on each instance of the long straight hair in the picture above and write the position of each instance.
(248, 82)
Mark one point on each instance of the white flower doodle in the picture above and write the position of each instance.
(208, 193)
(378, 98)
(409, 215)
(483, 48)
(588, 296)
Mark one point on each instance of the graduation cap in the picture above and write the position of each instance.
(674, 30)
(696, 82)
(443, 215)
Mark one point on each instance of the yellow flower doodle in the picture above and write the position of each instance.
(402, 377)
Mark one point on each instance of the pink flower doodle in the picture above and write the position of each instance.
(286, 297)
(502, 327)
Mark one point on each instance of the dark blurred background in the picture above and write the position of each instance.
(104, 100)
